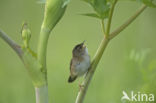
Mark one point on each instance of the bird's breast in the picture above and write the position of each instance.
(82, 67)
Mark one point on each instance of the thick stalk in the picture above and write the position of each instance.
(91, 71)
(42, 47)
(42, 94)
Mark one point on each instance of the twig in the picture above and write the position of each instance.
(103, 26)
(128, 22)
(110, 18)
(11, 43)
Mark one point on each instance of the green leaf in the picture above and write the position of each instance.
(101, 7)
(66, 2)
(54, 10)
(92, 15)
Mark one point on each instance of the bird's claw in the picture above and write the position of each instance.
(81, 86)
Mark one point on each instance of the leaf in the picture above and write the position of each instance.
(101, 7)
(91, 15)
(66, 2)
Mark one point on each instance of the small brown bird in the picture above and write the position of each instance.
(80, 62)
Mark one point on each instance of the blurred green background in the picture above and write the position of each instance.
(129, 62)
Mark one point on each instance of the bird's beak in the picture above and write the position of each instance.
(83, 45)
(83, 42)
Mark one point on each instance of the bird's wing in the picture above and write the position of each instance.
(70, 64)
(73, 64)
(71, 67)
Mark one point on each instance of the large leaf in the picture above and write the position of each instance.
(101, 7)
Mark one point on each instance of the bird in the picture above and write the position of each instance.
(80, 62)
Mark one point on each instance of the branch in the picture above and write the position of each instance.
(128, 22)
(110, 18)
(11, 43)
(103, 26)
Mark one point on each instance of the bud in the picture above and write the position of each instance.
(54, 10)
(26, 35)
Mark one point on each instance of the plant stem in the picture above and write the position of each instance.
(128, 22)
(103, 26)
(42, 49)
(110, 17)
(11, 43)
(42, 94)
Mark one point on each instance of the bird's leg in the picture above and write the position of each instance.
(85, 75)
(81, 86)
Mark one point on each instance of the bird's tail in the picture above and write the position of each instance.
(71, 79)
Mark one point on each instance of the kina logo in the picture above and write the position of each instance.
(142, 97)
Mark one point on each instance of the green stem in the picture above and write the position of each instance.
(128, 22)
(103, 26)
(42, 94)
(110, 18)
(42, 49)
(11, 43)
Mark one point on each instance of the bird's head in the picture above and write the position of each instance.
(80, 50)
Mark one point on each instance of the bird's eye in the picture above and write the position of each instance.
(78, 48)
